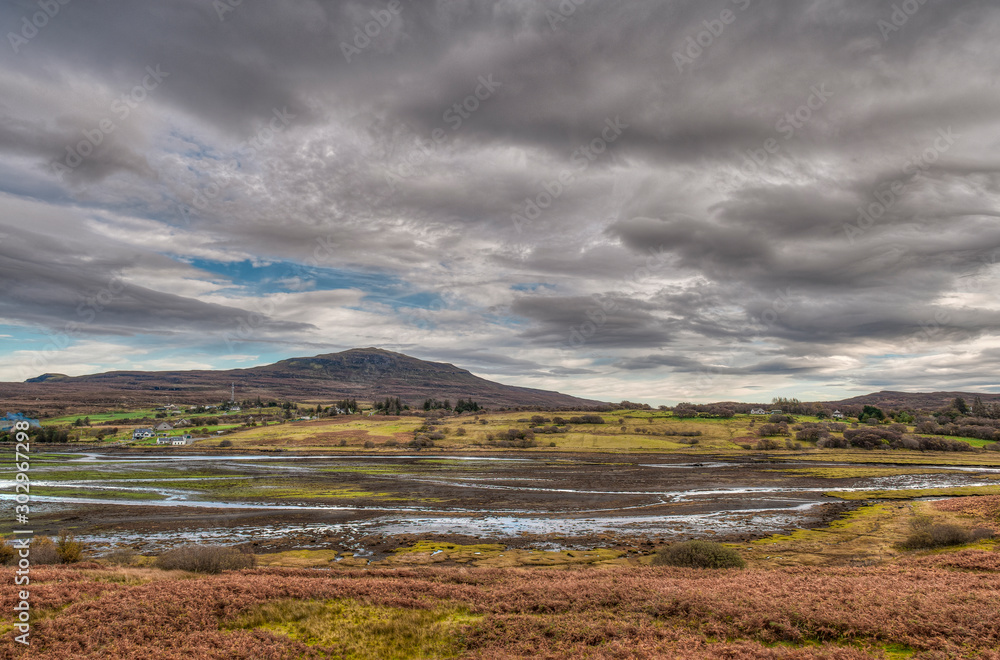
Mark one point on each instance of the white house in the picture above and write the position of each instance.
(837, 414)
(758, 411)
(139, 434)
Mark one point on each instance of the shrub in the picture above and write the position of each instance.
(226, 443)
(123, 556)
(767, 430)
(44, 551)
(699, 554)
(767, 443)
(928, 534)
(205, 559)
(7, 553)
(369, 444)
(68, 548)
(460, 431)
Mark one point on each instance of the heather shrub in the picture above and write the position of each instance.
(226, 443)
(699, 554)
(205, 559)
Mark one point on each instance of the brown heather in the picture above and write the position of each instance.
(940, 606)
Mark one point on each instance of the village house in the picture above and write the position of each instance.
(141, 434)
(837, 414)
(163, 426)
(758, 411)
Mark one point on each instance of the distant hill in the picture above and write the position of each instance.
(912, 400)
(361, 373)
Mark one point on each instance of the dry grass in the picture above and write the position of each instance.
(936, 606)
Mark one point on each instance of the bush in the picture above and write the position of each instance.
(226, 443)
(369, 444)
(123, 556)
(44, 551)
(205, 559)
(8, 555)
(928, 534)
(68, 548)
(699, 554)
(767, 443)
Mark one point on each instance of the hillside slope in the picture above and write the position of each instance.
(364, 374)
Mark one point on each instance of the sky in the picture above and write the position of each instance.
(655, 201)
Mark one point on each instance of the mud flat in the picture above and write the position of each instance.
(369, 505)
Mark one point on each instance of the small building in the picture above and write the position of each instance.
(181, 440)
(837, 414)
(776, 412)
(140, 434)
(758, 411)
(164, 427)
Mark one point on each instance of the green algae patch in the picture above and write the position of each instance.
(914, 493)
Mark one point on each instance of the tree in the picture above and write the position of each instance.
(978, 409)
(871, 412)
(960, 405)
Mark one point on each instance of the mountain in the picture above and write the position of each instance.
(360, 373)
(913, 400)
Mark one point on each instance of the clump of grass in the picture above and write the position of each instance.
(926, 534)
(699, 554)
(123, 556)
(358, 631)
(205, 559)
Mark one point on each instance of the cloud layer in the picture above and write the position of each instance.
(642, 200)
